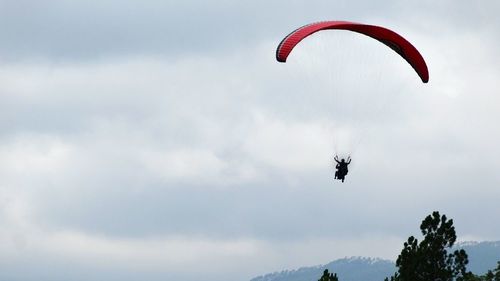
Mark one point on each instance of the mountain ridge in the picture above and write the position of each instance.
(483, 256)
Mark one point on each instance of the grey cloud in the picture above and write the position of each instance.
(63, 30)
(90, 29)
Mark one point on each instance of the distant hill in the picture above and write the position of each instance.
(482, 257)
(347, 269)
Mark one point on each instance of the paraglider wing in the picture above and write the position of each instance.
(390, 38)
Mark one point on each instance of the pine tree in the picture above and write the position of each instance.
(328, 276)
(429, 260)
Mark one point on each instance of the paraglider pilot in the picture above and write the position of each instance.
(341, 167)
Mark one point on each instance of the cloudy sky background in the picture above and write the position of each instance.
(160, 140)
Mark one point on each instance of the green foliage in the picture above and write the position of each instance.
(497, 272)
(429, 260)
(328, 276)
(492, 275)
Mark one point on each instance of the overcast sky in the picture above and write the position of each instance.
(160, 140)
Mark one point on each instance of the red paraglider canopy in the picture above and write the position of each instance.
(390, 38)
